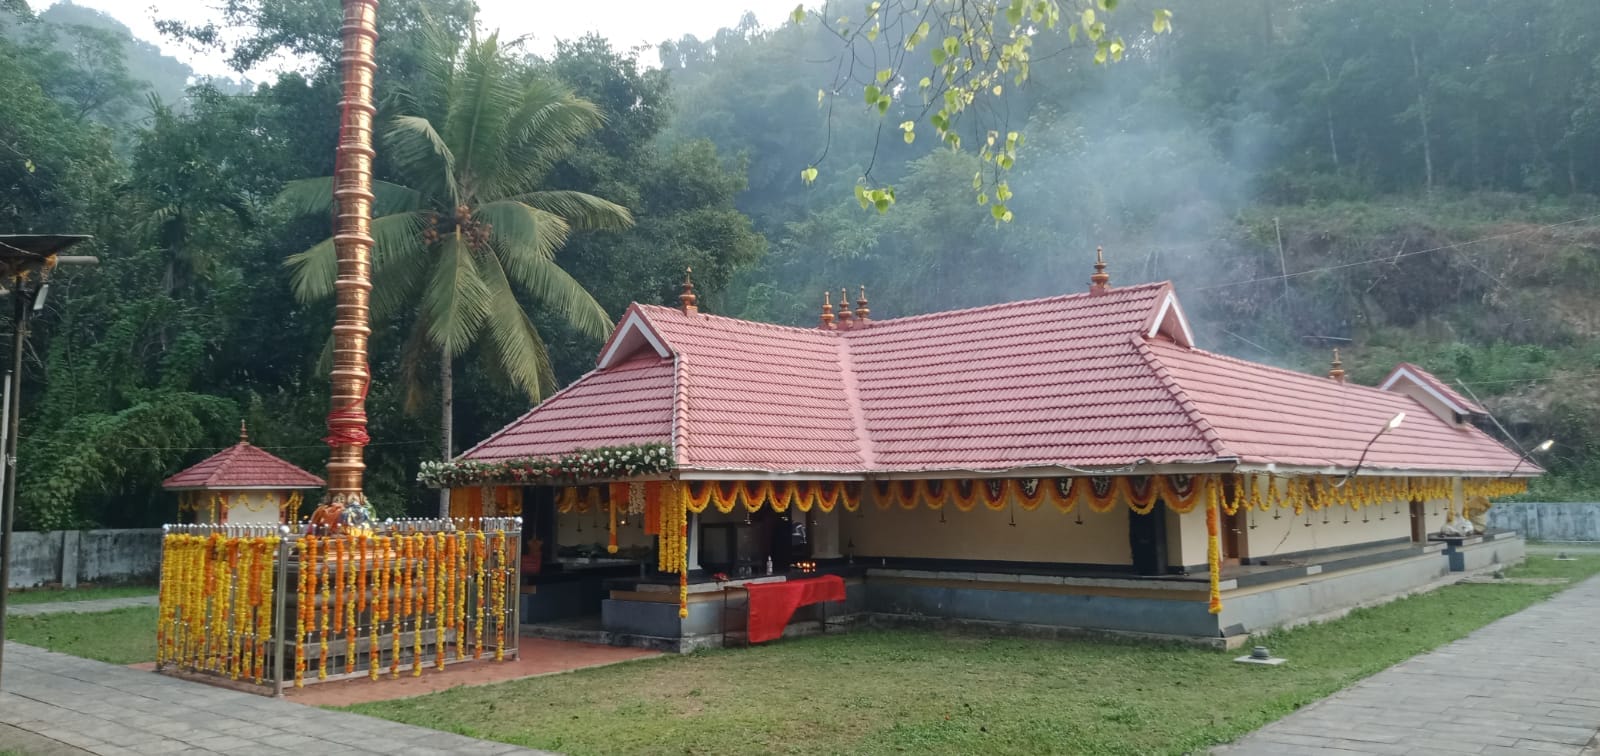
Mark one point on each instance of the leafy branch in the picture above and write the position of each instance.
(975, 50)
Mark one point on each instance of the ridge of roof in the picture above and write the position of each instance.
(1108, 296)
(852, 398)
(1429, 380)
(680, 410)
(650, 309)
(1192, 410)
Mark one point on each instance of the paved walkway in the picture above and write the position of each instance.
(1528, 684)
(58, 704)
(94, 605)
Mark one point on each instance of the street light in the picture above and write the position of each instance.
(1394, 422)
(1544, 446)
(21, 256)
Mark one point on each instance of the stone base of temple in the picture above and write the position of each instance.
(1290, 591)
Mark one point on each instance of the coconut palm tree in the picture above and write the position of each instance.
(468, 223)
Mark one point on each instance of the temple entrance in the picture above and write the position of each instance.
(1147, 539)
(1419, 522)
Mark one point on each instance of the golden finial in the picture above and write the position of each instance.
(844, 307)
(827, 310)
(687, 299)
(861, 305)
(1337, 373)
(1100, 282)
(244, 435)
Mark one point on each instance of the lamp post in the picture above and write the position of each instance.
(20, 258)
(1542, 447)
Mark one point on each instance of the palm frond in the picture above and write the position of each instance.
(554, 288)
(579, 209)
(549, 124)
(519, 351)
(420, 153)
(413, 367)
(314, 196)
(525, 228)
(456, 301)
(477, 125)
(396, 239)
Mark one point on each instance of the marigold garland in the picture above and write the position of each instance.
(478, 557)
(323, 574)
(1214, 559)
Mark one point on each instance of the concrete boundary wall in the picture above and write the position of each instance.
(67, 557)
(1549, 521)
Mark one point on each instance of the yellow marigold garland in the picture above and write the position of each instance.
(302, 605)
(478, 557)
(1214, 559)
(323, 575)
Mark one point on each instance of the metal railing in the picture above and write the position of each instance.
(269, 607)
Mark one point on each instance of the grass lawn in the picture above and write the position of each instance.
(50, 595)
(873, 691)
(121, 636)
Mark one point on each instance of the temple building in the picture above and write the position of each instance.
(241, 485)
(1073, 462)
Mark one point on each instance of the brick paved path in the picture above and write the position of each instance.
(93, 605)
(1528, 684)
(58, 704)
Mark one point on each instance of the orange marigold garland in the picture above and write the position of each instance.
(351, 619)
(479, 552)
(611, 544)
(396, 602)
(1214, 558)
(302, 605)
(323, 575)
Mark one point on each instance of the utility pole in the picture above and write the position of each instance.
(19, 258)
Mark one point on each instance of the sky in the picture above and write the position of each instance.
(625, 22)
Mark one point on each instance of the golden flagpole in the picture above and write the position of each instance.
(352, 241)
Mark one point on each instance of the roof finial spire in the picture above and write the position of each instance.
(1337, 371)
(244, 434)
(1100, 282)
(861, 306)
(687, 298)
(845, 315)
(827, 310)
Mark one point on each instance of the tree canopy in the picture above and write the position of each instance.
(1406, 181)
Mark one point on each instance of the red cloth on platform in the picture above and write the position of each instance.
(772, 604)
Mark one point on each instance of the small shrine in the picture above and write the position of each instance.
(241, 485)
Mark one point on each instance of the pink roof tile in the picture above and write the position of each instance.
(1406, 370)
(1078, 381)
(631, 403)
(1056, 381)
(1270, 415)
(242, 465)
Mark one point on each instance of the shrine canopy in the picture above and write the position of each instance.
(1106, 381)
(245, 484)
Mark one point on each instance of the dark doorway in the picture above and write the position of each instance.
(1232, 537)
(1147, 538)
(1419, 522)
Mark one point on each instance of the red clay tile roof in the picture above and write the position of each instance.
(1269, 415)
(1070, 381)
(242, 466)
(1427, 380)
(1025, 384)
(631, 403)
